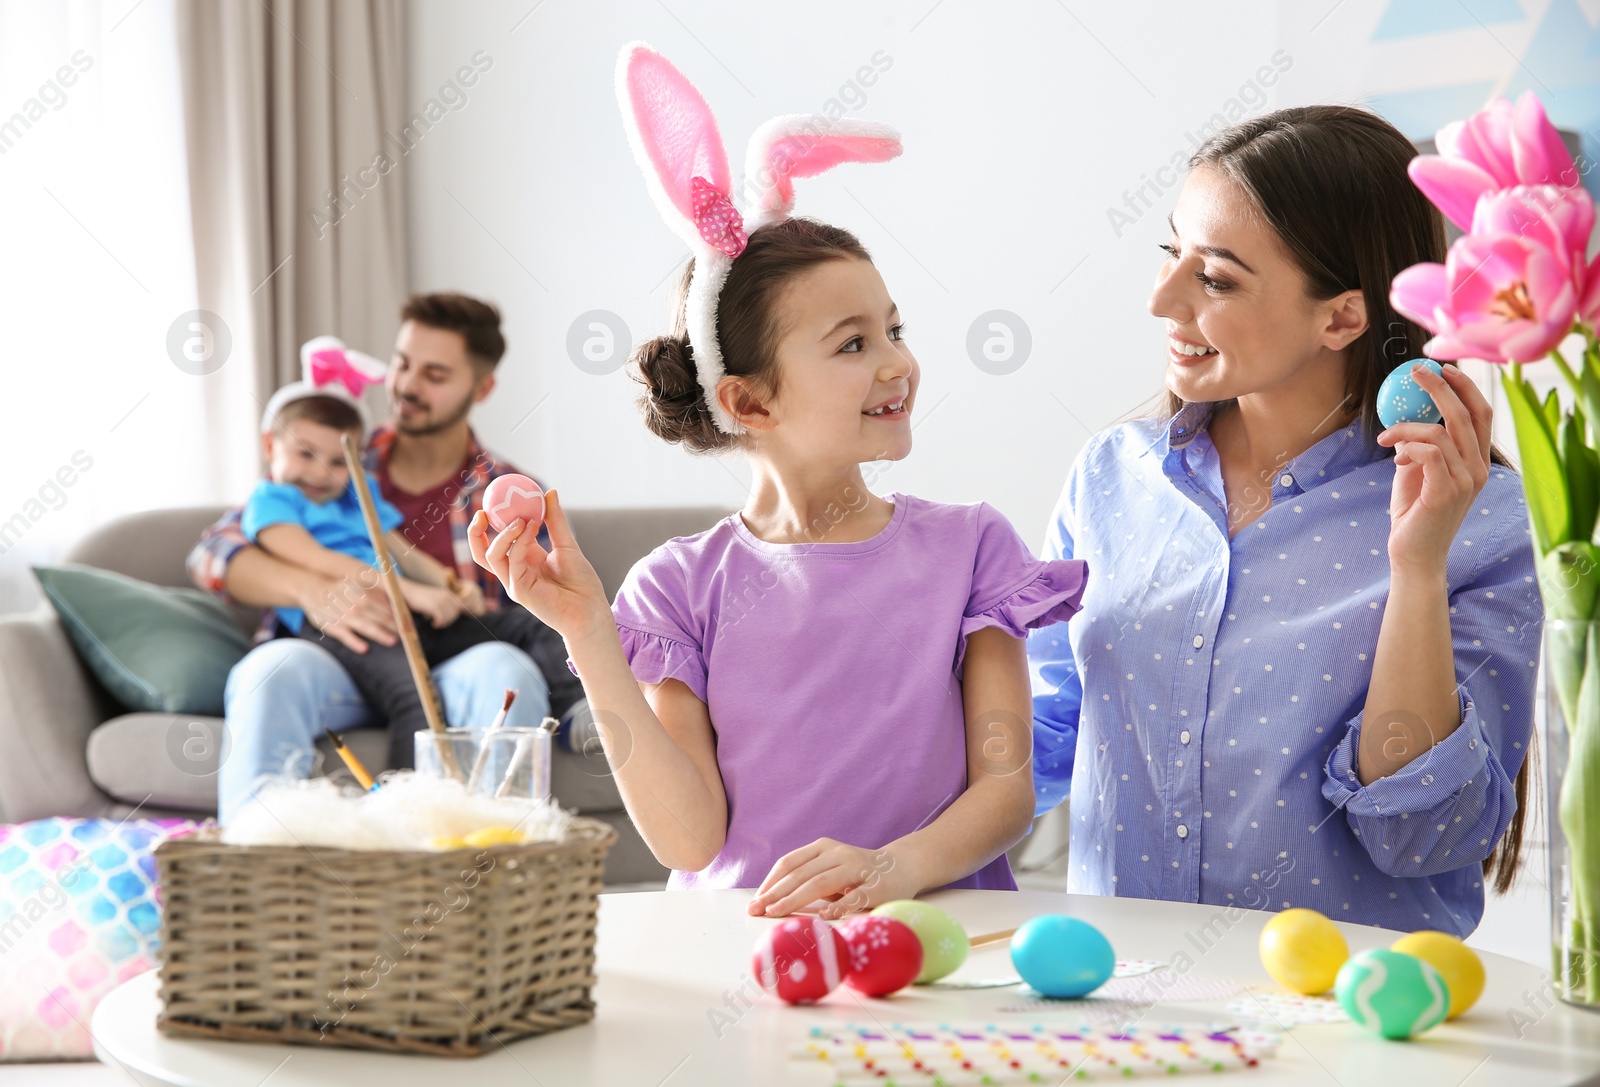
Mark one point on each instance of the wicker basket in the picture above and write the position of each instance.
(446, 953)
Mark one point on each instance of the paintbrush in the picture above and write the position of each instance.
(404, 625)
(482, 761)
(991, 938)
(523, 752)
(350, 761)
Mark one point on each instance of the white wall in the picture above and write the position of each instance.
(1026, 122)
(1022, 127)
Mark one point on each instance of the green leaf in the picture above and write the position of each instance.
(1542, 479)
(1591, 390)
(1552, 411)
(1583, 475)
(1569, 581)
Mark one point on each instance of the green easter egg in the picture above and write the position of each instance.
(944, 941)
(1392, 993)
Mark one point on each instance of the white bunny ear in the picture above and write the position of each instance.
(804, 145)
(673, 135)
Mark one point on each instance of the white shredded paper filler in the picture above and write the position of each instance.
(407, 811)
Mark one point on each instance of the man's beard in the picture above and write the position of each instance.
(421, 430)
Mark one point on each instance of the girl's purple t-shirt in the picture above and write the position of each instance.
(832, 671)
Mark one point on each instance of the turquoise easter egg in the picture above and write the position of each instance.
(1062, 956)
(1392, 993)
(1402, 400)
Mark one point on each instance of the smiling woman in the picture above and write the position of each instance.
(1302, 654)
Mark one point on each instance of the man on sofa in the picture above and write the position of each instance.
(428, 463)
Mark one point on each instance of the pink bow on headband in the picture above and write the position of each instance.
(330, 364)
(715, 217)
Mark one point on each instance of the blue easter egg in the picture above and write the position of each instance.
(1062, 956)
(1402, 400)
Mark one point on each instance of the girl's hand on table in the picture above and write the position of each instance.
(559, 586)
(848, 877)
(1439, 470)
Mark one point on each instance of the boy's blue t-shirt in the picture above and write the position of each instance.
(336, 525)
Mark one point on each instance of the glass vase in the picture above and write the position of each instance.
(1572, 791)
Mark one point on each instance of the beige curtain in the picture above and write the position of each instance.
(296, 185)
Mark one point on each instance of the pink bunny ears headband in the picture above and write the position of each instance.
(676, 143)
(328, 368)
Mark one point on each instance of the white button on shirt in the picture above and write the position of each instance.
(1290, 608)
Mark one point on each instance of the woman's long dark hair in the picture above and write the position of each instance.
(1331, 181)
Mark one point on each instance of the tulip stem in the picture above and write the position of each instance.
(1567, 372)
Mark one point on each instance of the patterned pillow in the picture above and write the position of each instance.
(79, 915)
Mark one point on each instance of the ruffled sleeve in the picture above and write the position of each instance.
(655, 658)
(656, 621)
(1013, 590)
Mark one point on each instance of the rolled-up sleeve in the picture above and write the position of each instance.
(1449, 807)
(1053, 676)
(219, 543)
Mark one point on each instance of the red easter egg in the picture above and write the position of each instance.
(510, 497)
(801, 960)
(885, 954)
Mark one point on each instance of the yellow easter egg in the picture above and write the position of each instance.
(1456, 962)
(485, 836)
(446, 841)
(1303, 951)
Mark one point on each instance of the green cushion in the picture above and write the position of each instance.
(156, 650)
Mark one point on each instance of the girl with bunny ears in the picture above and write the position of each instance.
(824, 696)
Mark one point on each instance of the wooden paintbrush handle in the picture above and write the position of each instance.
(402, 612)
(992, 938)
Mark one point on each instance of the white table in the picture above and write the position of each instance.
(667, 959)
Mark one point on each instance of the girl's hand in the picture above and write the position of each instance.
(558, 586)
(847, 876)
(434, 602)
(1439, 470)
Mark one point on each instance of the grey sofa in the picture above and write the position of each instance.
(66, 748)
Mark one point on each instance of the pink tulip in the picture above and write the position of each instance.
(1554, 215)
(1536, 148)
(1496, 148)
(1589, 304)
(1497, 297)
(1484, 139)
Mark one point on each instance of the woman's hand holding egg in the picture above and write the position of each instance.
(1439, 470)
(559, 586)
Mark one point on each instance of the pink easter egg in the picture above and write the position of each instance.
(802, 960)
(509, 497)
(885, 954)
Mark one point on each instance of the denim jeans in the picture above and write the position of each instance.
(282, 695)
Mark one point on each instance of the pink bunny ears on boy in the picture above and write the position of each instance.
(676, 143)
(328, 368)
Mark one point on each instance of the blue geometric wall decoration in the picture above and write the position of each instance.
(1409, 18)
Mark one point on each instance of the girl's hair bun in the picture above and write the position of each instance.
(674, 405)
